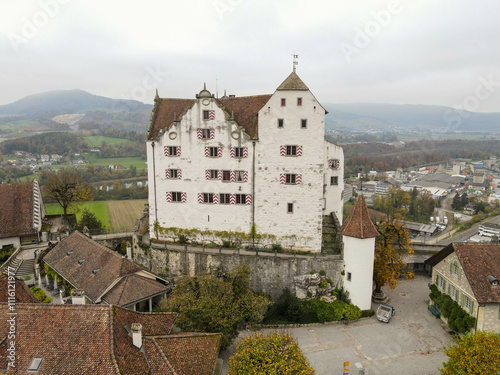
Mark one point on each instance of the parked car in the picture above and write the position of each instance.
(385, 313)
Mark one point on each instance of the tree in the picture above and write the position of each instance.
(67, 189)
(391, 246)
(475, 353)
(210, 304)
(274, 353)
(89, 220)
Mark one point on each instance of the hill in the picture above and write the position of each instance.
(68, 101)
(418, 117)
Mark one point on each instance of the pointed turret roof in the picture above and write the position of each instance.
(293, 82)
(359, 224)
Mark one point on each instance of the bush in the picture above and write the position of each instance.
(183, 239)
(322, 273)
(276, 247)
(288, 305)
(226, 243)
(367, 313)
(352, 312)
(40, 295)
(323, 284)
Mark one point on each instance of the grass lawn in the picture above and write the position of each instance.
(117, 215)
(96, 140)
(98, 208)
(126, 162)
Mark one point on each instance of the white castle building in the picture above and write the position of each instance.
(226, 164)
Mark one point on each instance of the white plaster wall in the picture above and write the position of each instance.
(333, 193)
(359, 255)
(193, 164)
(10, 241)
(272, 196)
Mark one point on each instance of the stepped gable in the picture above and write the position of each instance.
(359, 224)
(293, 82)
(165, 112)
(245, 110)
(16, 210)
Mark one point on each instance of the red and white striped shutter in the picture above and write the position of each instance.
(233, 176)
(233, 199)
(298, 179)
(330, 163)
(212, 133)
(207, 152)
(282, 150)
(200, 197)
(219, 152)
(232, 152)
(299, 150)
(216, 198)
(248, 198)
(167, 173)
(219, 175)
(207, 174)
(169, 196)
(199, 133)
(179, 173)
(211, 115)
(245, 176)
(183, 197)
(245, 152)
(337, 163)
(165, 151)
(178, 150)
(282, 178)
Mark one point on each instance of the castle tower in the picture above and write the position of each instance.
(359, 254)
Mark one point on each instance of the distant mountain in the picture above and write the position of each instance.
(381, 116)
(61, 102)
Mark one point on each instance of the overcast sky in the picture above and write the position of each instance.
(405, 52)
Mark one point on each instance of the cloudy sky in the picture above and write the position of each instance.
(443, 52)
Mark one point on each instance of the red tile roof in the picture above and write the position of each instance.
(245, 110)
(95, 339)
(359, 224)
(132, 288)
(163, 114)
(22, 292)
(293, 82)
(16, 210)
(479, 260)
(110, 265)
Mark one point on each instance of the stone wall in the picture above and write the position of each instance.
(268, 273)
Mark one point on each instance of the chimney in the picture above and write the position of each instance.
(136, 329)
(78, 297)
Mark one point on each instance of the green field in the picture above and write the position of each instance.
(114, 215)
(99, 209)
(96, 141)
(92, 158)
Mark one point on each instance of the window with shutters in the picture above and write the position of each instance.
(174, 173)
(290, 178)
(241, 199)
(206, 115)
(467, 303)
(205, 133)
(239, 176)
(172, 150)
(239, 152)
(456, 270)
(214, 174)
(291, 150)
(213, 152)
(208, 198)
(441, 283)
(225, 198)
(176, 196)
(226, 176)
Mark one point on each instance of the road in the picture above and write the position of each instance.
(469, 232)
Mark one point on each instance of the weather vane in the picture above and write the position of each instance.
(295, 62)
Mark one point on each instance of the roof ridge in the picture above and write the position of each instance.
(112, 339)
(162, 354)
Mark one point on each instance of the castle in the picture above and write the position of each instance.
(237, 163)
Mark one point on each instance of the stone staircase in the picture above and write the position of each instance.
(331, 237)
(24, 267)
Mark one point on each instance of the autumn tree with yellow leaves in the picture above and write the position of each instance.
(391, 246)
(274, 353)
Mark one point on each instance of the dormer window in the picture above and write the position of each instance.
(493, 280)
(69, 253)
(80, 262)
(94, 272)
(35, 364)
